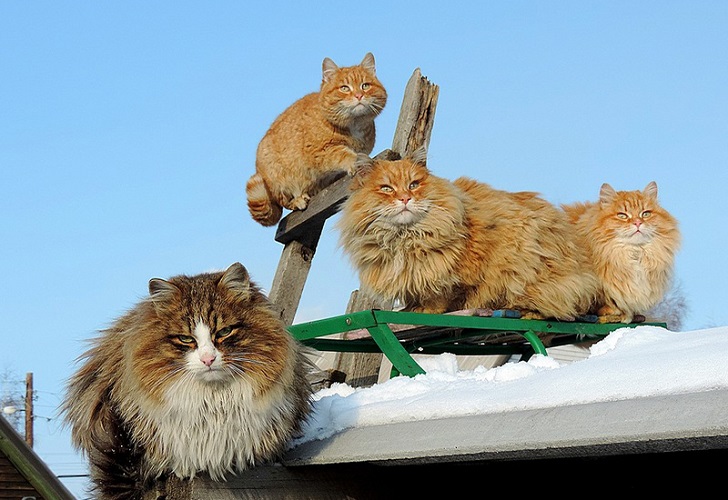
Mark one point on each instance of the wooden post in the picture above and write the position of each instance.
(29, 409)
(292, 271)
(417, 114)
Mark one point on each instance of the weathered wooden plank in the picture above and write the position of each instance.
(417, 114)
(290, 278)
(300, 231)
(296, 225)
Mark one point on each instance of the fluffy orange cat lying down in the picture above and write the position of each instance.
(435, 246)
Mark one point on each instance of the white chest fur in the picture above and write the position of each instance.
(214, 427)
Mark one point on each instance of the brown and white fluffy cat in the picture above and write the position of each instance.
(631, 241)
(316, 139)
(201, 376)
(436, 246)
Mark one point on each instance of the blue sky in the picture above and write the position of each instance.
(128, 131)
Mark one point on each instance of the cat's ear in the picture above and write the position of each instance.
(159, 288)
(368, 63)
(363, 162)
(329, 68)
(161, 291)
(606, 194)
(419, 155)
(363, 166)
(237, 280)
(651, 190)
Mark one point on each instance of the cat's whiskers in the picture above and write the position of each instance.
(371, 216)
(159, 382)
(375, 106)
(346, 113)
(239, 370)
(243, 359)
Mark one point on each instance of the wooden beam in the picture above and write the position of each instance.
(300, 231)
(417, 114)
(29, 409)
(293, 267)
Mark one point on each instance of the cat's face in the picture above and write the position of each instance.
(205, 350)
(352, 91)
(632, 217)
(394, 192)
(211, 329)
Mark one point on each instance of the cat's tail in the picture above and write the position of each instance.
(262, 207)
(116, 471)
(115, 461)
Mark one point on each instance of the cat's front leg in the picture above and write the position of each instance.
(343, 158)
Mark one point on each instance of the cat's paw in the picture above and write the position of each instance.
(610, 314)
(614, 318)
(425, 309)
(299, 202)
(532, 315)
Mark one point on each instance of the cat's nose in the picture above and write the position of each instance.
(208, 359)
(405, 199)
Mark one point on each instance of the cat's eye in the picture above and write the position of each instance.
(365, 86)
(223, 332)
(186, 339)
(386, 189)
(646, 214)
(344, 88)
(414, 184)
(622, 215)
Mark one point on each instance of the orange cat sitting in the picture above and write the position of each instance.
(631, 241)
(438, 246)
(316, 139)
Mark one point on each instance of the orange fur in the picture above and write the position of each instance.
(460, 244)
(315, 140)
(634, 267)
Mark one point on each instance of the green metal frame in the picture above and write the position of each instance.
(456, 334)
